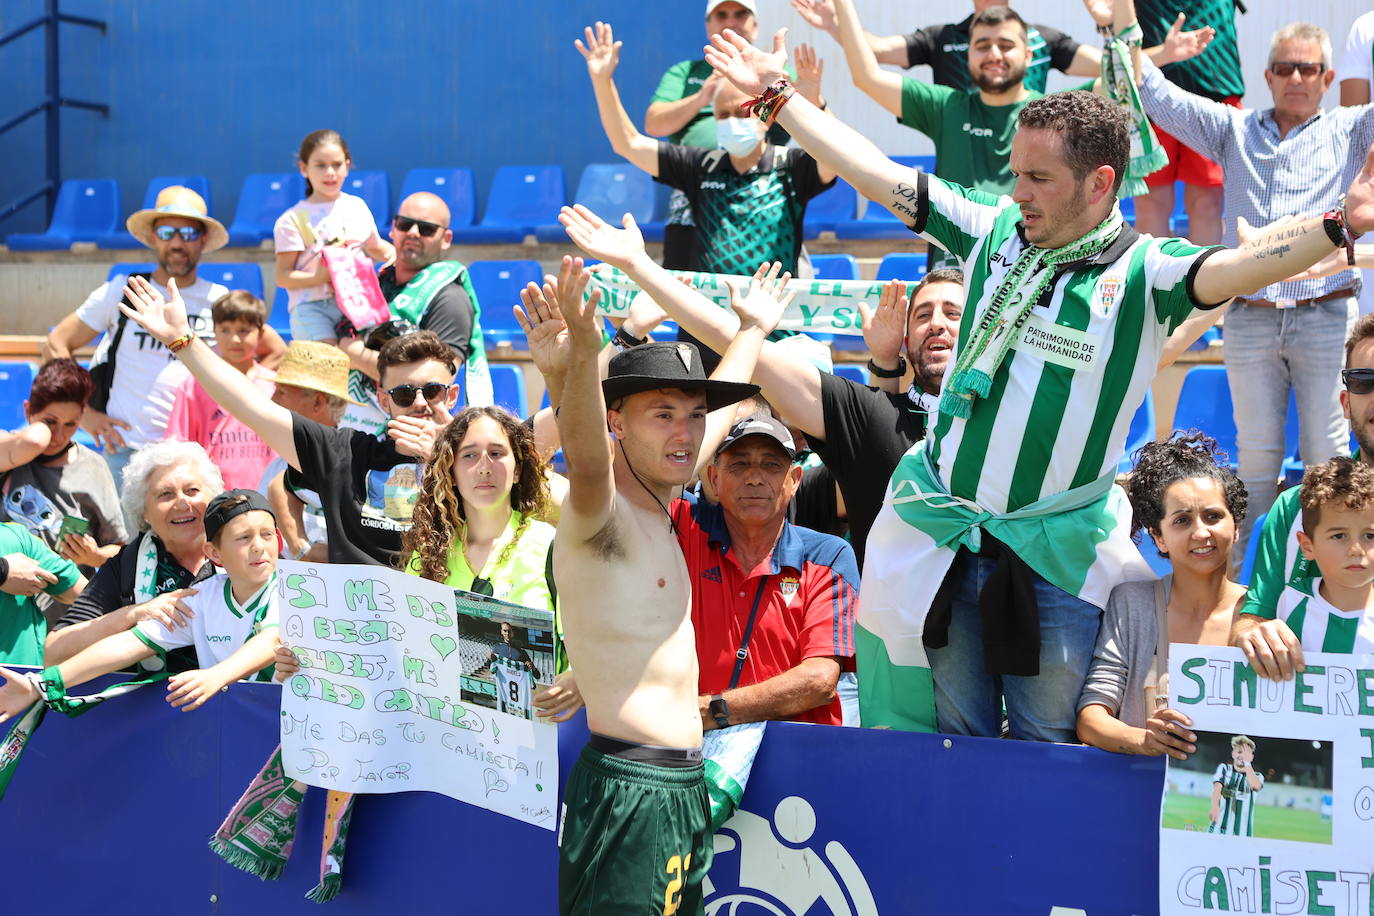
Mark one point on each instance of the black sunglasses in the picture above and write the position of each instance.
(1358, 381)
(404, 224)
(404, 395)
(1308, 69)
(187, 233)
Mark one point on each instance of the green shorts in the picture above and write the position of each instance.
(635, 838)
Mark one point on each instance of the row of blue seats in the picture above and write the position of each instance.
(523, 201)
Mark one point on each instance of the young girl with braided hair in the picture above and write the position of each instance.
(476, 524)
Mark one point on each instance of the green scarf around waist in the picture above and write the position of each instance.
(413, 301)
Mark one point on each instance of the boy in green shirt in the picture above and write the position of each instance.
(22, 625)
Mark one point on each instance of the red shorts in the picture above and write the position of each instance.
(1185, 164)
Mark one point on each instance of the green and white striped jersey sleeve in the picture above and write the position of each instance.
(1321, 627)
(955, 217)
(1278, 561)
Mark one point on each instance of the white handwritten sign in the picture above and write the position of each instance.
(406, 684)
(1274, 813)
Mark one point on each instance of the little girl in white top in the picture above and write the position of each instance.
(327, 216)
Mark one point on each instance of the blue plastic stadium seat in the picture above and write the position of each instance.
(835, 266)
(902, 265)
(374, 187)
(15, 381)
(455, 186)
(265, 196)
(125, 268)
(1160, 566)
(1247, 566)
(853, 372)
(1205, 403)
(1178, 220)
(121, 238)
(498, 285)
(1141, 431)
(1128, 209)
(610, 189)
(850, 342)
(522, 197)
(876, 223)
(87, 208)
(280, 318)
(828, 209)
(235, 275)
(508, 388)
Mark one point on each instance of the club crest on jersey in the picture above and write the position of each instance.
(788, 586)
(1108, 290)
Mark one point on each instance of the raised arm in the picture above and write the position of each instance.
(112, 653)
(790, 384)
(602, 52)
(882, 86)
(668, 116)
(889, 49)
(23, 445)
(582, 414)
(1279, 253)
(836, 146)
(166, 320)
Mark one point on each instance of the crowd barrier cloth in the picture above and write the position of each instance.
(110, 813)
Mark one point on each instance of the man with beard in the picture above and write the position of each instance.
(139, 379)
(988, 565)
(1268, 642)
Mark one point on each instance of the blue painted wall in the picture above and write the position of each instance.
(227, 89)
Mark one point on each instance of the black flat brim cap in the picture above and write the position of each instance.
(656, 366)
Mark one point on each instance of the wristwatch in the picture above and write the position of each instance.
(624, 340)
(879, 372)
(720, 711)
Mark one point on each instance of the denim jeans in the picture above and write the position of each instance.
(968, 700)
(1269, 351)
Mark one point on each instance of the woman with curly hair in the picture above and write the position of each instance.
(1191, 506)
(476, 523)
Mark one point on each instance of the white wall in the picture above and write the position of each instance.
(886, 17)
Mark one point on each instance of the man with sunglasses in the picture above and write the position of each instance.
(417, 391)
(1290, 158)
(1270, 645)
(140, 377)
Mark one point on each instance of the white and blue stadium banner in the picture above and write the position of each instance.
(111, 812)
(1274, 812)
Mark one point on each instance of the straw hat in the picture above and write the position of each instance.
(317, 366)
(174, 200)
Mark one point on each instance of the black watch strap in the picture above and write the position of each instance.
(625, 340)
(720, 711)
(879, 372)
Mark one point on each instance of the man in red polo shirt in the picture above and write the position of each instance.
(772, 603)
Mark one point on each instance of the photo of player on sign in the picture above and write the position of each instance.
(504, 661)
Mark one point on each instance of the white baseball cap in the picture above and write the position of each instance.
(747, 4)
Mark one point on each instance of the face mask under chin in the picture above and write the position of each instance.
(737, 136)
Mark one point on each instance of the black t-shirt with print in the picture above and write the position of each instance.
(868, 431)
(337, 464)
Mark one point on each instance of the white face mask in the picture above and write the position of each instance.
(737, 136)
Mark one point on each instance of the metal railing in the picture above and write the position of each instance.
(51, 105)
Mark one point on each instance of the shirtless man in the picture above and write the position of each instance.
(635, 828)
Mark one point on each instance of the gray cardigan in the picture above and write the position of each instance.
(1124, 652)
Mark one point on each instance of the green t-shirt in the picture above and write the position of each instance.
(22, 625)
(1215, 73)
(972, 139)
(685, 78)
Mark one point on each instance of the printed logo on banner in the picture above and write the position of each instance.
(781, 871)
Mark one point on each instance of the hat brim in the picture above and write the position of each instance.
(140, 226)
(310, 384)
(718, 394)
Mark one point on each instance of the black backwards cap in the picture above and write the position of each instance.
(230, 505)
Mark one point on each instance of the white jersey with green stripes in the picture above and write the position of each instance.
(514, 688)
(1237, 815)
(1062, 401)
(1319, 626)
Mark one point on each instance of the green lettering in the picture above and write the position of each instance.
(808, 312)
(397, 701)
(327, 691)
(1246, 683)
(1365, 679)
(1264, 884)
(355, 589)
(300, 685)
(838, 291)
(302, 599)
(1368, 762)
(1300, 687)
(1214, 893)
(844, 318)
(1187, 670)
(332, 662)
(1314, 891)
(413, 669)
(321, 628)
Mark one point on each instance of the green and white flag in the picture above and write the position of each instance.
(728, 755)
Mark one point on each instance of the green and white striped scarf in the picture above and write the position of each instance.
(1033, 273)
(1118, 84)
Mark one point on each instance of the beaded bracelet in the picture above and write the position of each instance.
(767, 105)
(181, 342)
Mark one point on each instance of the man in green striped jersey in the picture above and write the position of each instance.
(1269, 643)
(1334, 612)
(1234, 786)
(1067, 310)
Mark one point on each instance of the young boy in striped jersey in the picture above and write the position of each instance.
(1335, 611)
(1233, 791)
